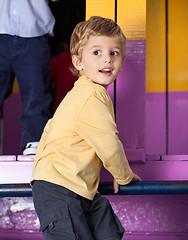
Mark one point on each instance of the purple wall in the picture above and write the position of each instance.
(131, 97)
(178, 123)
(155, 123)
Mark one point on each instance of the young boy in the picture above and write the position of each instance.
(79, 139)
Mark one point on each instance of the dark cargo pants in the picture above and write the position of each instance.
(64, 215)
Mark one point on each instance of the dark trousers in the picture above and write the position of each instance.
(29, 60)
(64, 215)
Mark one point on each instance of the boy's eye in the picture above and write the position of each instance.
(114, 53)
(97, 52)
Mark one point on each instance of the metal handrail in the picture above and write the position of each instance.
(106, 188)
(147, 188)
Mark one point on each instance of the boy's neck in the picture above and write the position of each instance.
(105, 86)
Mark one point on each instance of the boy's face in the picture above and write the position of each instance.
(102, 59)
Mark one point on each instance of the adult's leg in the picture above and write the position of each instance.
(32, 68)
(6, 81)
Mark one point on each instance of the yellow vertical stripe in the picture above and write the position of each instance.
(178, 45)
(15, 86)
(131, 16)
(103, 8)
(156, 46)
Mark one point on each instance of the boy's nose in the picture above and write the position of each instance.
(107, 59)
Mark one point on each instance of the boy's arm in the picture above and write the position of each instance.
(97, 127)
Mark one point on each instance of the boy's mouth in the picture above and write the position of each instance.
(105, 70)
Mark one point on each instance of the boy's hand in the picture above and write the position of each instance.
(136, 178)
(116, 186)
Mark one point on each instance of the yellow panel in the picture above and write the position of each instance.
(156, 46)
(103, 8)
(131, 16)
(15, 86)
(178, 45)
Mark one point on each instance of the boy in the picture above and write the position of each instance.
(79, 139)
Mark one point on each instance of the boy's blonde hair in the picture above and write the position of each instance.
(94, 26)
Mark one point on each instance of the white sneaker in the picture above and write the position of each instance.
(31, 148)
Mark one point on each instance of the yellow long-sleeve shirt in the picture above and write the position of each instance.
(79, 139)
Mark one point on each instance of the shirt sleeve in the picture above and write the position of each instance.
(97, 127)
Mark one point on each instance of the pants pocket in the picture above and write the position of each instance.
(57, 224)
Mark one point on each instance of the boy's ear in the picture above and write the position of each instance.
(77, 62)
